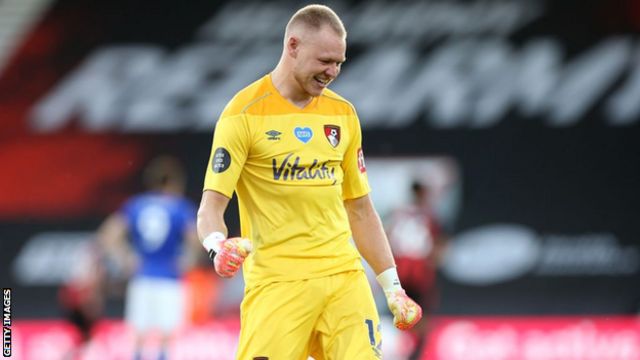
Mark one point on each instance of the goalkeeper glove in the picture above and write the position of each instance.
(406, 312)
(227, 254)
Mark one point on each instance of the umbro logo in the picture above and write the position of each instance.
(273, 135)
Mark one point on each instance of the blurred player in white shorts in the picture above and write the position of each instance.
(155, 225)
(154, 303)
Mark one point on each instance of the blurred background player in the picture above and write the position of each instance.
(82, 296)
(146, 237)
(418, 244)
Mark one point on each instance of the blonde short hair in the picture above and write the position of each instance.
(316, 16)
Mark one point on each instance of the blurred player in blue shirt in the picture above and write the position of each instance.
(146, 238)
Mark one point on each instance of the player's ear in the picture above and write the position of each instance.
(293, 46)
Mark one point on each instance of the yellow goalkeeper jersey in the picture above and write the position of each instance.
(291, 169)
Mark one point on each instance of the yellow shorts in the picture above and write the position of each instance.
(329, 318)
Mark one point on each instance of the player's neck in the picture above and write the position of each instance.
(170, 189)
(287, 86)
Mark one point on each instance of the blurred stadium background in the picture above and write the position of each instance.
(524, 115)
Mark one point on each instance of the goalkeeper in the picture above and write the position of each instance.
(291, 150)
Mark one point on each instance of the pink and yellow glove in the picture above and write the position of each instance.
(227, 254)
(406, 312)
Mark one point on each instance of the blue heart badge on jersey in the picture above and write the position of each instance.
(303, 134)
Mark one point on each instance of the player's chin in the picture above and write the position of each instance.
(316, 88)
(314, 91)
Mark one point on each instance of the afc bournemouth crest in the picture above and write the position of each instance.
(332, 132)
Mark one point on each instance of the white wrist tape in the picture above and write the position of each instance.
(389, 280)
(213, 241)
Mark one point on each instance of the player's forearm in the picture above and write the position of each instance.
(112, 234)
(112, 239)
(372, 244)
(211, 214)
(209, 223)
(368, 234)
